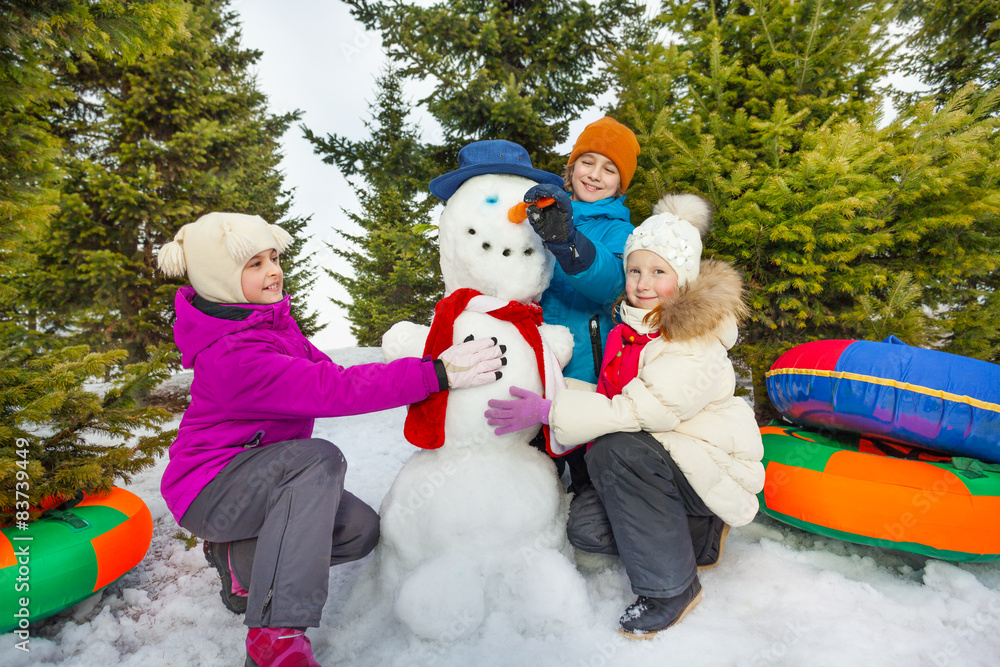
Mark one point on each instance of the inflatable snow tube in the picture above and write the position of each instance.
(942, 508)
(892, 391)
(67, 556)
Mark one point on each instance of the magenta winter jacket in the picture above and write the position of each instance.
(260, 381)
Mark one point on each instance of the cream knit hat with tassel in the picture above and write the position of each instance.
(674, 232)
(214, 249)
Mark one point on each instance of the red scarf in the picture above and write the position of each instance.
(621, 361)
(424, 426)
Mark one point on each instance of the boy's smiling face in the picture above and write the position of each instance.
(262, 278)
(595, 177)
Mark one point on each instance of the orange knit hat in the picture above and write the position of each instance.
(612, 140)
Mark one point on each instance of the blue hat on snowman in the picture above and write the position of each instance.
(493, 156)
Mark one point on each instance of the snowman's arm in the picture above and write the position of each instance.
(560, 341)
(404, 339)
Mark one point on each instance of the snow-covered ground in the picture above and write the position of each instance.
(779, 597)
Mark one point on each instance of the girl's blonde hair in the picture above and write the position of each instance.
(654, 318)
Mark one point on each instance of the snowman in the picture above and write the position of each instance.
(475, 523)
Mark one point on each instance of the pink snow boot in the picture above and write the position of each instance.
(279, 647)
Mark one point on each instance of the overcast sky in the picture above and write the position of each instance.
(317, 59)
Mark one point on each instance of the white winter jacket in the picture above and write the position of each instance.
(684, 396)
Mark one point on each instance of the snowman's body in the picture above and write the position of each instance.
(478, 525)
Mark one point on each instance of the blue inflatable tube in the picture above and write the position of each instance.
(932, 399)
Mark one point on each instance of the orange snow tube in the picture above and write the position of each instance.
(846, 488)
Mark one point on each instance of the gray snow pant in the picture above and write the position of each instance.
(642, 508)
(285, 510)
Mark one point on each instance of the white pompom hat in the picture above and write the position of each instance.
(214, 249)
(674, 232)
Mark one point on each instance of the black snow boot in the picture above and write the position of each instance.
(713, 551)
(647, 616)
(217, 555)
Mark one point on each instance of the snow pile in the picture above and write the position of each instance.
(779, 597)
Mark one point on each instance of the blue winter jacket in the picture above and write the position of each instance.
(588, 279)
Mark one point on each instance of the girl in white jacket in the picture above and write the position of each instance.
(675, 456)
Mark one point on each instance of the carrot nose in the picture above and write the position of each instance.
(519, 212)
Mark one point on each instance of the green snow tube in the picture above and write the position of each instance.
(65, 557)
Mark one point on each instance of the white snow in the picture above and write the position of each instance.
(780, 596)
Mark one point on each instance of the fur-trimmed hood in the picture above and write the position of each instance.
(706, 306)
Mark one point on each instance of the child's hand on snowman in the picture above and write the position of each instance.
(554, 223)
(527, 409)
(473, 362)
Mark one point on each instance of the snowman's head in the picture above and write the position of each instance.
(483, 250)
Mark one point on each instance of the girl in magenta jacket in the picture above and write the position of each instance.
(244, 473)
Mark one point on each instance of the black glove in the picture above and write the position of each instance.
(554, 223)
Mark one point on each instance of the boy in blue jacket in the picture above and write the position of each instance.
(586, 231)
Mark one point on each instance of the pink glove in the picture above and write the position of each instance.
(526, 410)
(473, 362)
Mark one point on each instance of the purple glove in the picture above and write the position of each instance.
(526, 410)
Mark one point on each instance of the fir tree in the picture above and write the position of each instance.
(60, 438)
(751, 77)
(396, 276)
(506, 69)
(35, 37)
(897, 312)
(952, 43)
(153, 145)
(771, 114)
(47, 416)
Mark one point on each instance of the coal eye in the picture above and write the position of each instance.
(529, 251)
(471, 230)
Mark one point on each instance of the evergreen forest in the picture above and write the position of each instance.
(852, 208)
